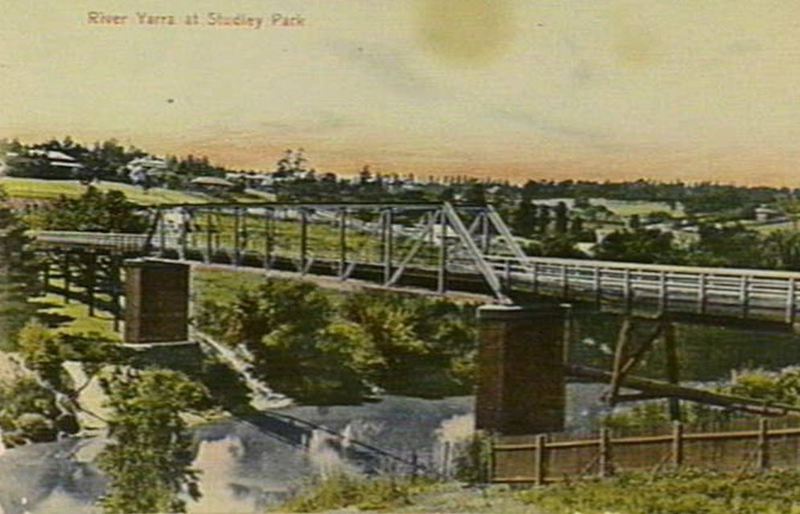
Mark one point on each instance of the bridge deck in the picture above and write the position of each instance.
(765, 294)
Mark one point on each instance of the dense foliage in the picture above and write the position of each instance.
(310, 346)
(94, 211)
(149, 457)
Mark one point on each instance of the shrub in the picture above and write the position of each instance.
(344, 490)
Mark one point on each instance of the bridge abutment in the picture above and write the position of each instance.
(521, 382)
(156, 302)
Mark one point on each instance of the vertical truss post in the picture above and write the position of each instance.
(245, 235)
(303, 240)
(441, 283)
(485, 233)
(184, 233)
(268, 221)
(162, 234)
(343, 243)
(388, 246)
(208, 252)
(236, 236)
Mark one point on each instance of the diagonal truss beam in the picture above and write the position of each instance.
(492, 280)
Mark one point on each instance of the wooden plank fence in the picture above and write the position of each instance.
(539, 460)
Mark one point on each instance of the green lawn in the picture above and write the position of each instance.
(36, 189)
(73, 318)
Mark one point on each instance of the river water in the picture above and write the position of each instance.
(246, 465)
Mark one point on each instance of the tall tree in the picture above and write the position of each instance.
(149, 457)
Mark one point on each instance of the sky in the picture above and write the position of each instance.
(518, 89)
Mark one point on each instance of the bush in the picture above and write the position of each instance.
(343, 490)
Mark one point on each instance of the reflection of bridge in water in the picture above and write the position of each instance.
(436, 247)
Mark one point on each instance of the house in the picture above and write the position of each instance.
(152, 166)
(765, 213)
(57, 159)
(213, 184)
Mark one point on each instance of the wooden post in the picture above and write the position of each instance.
(91, 282)
(116, 290)
(673, 369)
(535, 277)
(663, 293)
(677, 444)
(790, 302)
(763, 445)
(598, 285)
(343, 243)
(744, 295)
(489, 467)
(627, 291)
(569, 330)
(540, 460)
(701, 293)
(604, 460)
(564, 281)
(66, 273)
(507, 273)
(620, 354)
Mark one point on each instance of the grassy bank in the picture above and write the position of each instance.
(689, 492)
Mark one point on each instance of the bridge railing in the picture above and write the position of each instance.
(703, 285)
(116, 241)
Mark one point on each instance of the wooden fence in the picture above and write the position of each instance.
(539, 460)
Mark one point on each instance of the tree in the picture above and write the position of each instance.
(562, 218)
(148, 459)
(475, 194)
(642, 245)
(94, 211)
(524, 219)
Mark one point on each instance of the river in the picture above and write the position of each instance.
(246, 465)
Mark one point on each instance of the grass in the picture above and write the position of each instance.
(73, 318)
(33, 189)
(687, 492)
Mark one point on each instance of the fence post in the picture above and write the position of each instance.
(488, 470)
(605, 453)
(540, 460)
(790, 302)
(763, 444)
(677, 444)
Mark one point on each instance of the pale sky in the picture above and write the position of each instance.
(600, 89)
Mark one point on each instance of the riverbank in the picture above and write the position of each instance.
(688, 492)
